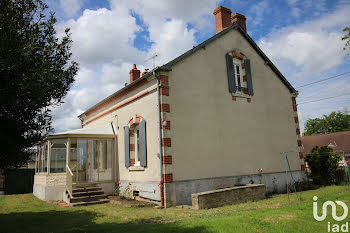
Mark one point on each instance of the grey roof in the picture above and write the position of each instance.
(168, 66)
(98, 129)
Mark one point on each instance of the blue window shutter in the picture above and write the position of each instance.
(127, 146)
(230, 74)
(249, 77)
(143, 144)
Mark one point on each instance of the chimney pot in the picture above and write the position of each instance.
(240, 19)
(145, 72)
(134, 73)
(222, 18)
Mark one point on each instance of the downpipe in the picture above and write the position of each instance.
(161, 186)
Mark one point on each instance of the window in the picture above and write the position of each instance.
(239, 74)
(58, 158)
(102, 153)
(42, 158)
(135, 144)
(134, 139)
(45, 148)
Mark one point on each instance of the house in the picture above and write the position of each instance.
(339, 142)
(217, 116)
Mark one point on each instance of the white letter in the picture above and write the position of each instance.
(334, 211)
(345, 227)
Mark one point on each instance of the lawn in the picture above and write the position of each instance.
(25, 213)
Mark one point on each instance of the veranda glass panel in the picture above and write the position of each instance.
(45, 147)
(105, 149)
(73, 162)
(82, 161)
(39, 163)
(93, 160)
(58, 158)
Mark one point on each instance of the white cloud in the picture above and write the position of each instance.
(103, 35)
(257, 11)
(312, 47)
(173, 39)
(70, 7)
(167, 23)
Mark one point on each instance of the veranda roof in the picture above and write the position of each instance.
(98, 129)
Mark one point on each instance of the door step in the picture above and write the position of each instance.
(84, 203)
(87, 195)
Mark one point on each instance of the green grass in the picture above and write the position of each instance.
(25, 213)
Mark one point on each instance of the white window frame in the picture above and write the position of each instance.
(238, 63)
(136, 143)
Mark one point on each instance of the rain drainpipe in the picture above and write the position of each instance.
(160, 144)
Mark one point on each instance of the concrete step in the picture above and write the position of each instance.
(78, 190)
(83, 203)
(84, 185)
(87, 198)
(87, 193)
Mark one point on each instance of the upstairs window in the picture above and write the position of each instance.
(239, 74)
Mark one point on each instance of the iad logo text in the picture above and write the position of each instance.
(332, 227)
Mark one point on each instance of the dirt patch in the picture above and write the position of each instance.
(116, 200)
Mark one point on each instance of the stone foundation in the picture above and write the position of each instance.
(50, 187)
(228, 196)
(179, 192)
(149, 191)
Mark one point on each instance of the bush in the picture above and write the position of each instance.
(340, 177)
(323, 163)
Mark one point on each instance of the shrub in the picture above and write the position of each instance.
(323, 163)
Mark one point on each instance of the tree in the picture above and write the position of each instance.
(36, 73)
(334, 122)
(346, 37)
(323, 163)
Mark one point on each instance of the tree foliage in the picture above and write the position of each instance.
(323, 163)
(346, 37)
(334, 122)
(36, 73)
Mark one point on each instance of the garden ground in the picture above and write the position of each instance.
(25, 213)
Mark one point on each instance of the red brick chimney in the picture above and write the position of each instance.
(134, 73)
(222, 18)
(240, 19)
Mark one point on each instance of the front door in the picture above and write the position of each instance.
(91, 160)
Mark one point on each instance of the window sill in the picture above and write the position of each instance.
(136, 168)
(241, 94)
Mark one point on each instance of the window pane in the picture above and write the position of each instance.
(105, 171)
(103, 154)
(109, 153)
(45, 158)
(58, 158)
(238, 77)
(39, 160)
(82, 160)
(93, 155)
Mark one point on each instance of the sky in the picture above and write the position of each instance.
(301, 37)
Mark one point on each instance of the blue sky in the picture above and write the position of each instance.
(301, 37)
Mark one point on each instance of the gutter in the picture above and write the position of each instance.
(160, 143)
